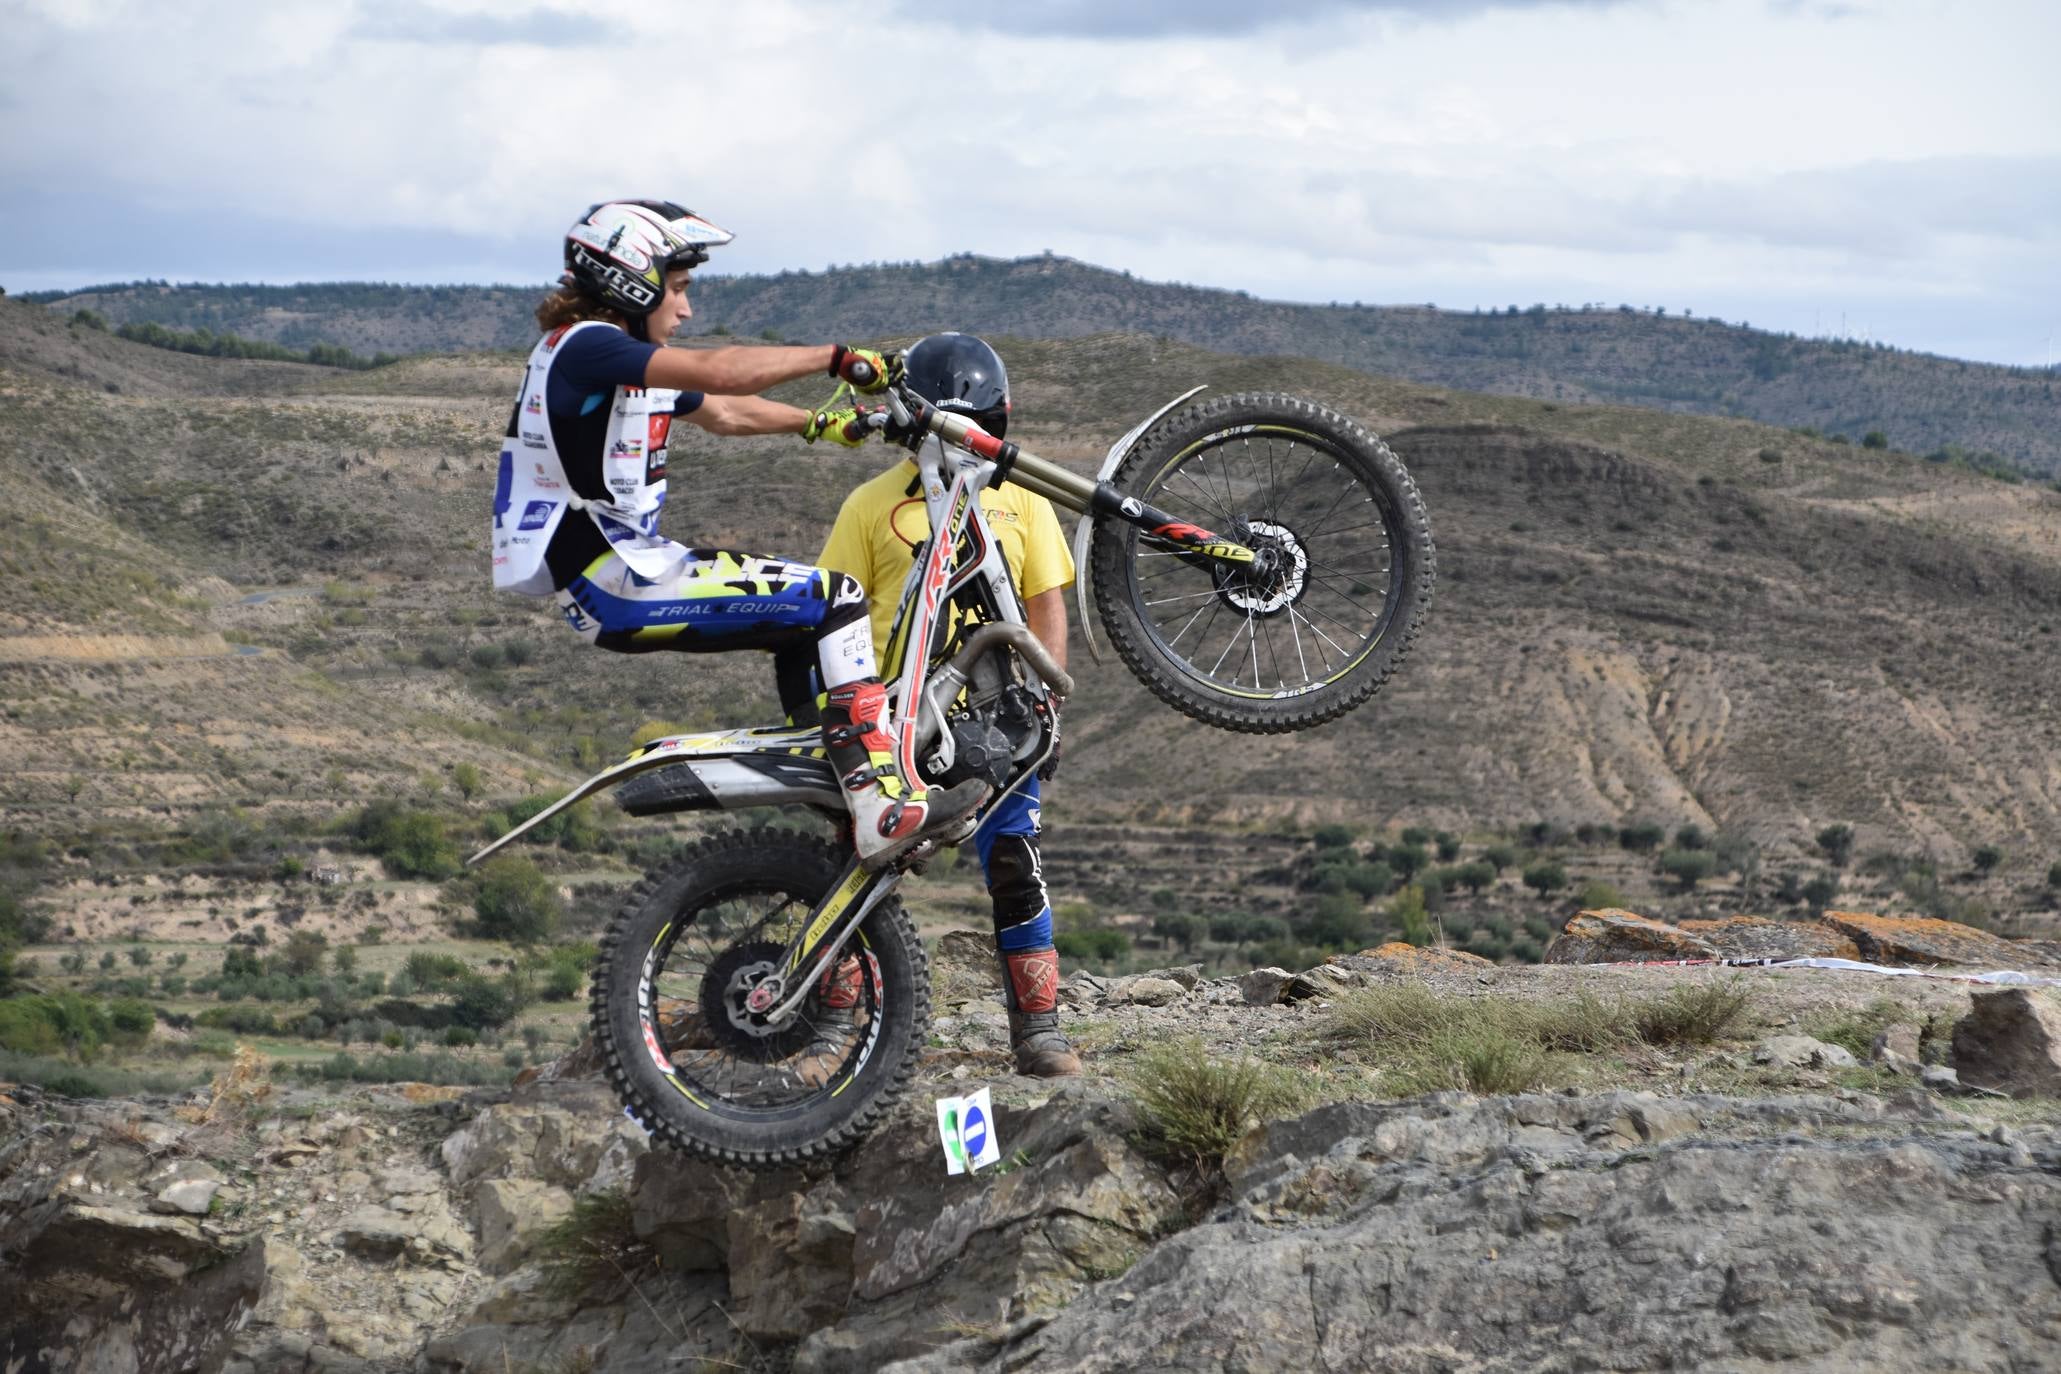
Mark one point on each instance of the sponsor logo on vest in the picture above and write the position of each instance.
(535, 404)
(536, 514)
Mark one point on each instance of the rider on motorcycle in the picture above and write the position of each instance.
(583, 478)
(875, 538)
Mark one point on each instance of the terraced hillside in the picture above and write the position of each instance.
(262, 583)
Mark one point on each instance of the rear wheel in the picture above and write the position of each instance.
(689, 1059)
(1340, 581)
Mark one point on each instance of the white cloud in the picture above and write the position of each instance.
(1773, 157)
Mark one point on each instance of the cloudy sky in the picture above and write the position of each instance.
(1889, 167)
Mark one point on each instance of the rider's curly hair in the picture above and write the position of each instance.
(570, 305)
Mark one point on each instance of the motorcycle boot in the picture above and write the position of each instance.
(1040, 1047)
(836, 1021)
(890, 814)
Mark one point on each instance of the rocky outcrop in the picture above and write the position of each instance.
(1919, 940)
(1611, 936)
(1619, 1232)
(1757, 937)
(2010, 1041)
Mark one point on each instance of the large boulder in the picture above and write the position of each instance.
(512, 1212)
(1757, 937)
(2010, 1041)
(1546, 1233)
(1615, 936)
(90, 1288)
(1413, 961)
(932, 1253)
(569, 1134)
(1905, 940)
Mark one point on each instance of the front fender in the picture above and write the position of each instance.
(1085, 530)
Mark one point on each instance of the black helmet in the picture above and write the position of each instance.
(620, 252)
(960, 373)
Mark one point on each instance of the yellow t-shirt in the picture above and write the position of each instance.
(881, 523)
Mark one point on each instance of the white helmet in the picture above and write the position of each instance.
(621, 251)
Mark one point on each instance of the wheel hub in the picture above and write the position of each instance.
(1276, 577)
(736, 992)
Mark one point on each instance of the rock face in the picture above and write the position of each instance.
(1757, 937)
(2011, 1041)
(1533, 1233)
(1922, 940)
(1614, 936)
(108, 1287)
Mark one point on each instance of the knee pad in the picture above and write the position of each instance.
(847, 600)
(1016, 882)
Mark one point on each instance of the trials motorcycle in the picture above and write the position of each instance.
(1261, 563)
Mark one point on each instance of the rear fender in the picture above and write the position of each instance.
(723, 769)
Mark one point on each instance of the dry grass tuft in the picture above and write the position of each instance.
(1193, 1107)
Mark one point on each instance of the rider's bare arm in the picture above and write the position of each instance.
(735, 371)
(1045, 613)
(719, 414)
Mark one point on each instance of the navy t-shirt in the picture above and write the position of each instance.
(591, 364)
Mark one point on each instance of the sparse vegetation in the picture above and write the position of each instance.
(1194, 1106)
(1424, 1041)
(595, 1248)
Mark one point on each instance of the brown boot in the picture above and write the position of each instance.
(1041, 1048)
(835, 1021)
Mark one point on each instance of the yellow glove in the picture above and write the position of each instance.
(865, 370)
(845, 427)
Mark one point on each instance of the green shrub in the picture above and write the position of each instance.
(243, 1020)
(575, 829)
(460, 1037)
(1986, 858)
(1691, 837)
(1193, 1106)
(2054, 876)
(1642, 837)
(427, 970)
(1407, 859)
(516, 902)
(1409, 916)
(1545, 877)
(411, 844)
(1331, 837)
(1837, 842)
(1475, 876)
(484, 1003)
(1499, 857)
(131, 1021)
(1597, 895)
(1688, 866)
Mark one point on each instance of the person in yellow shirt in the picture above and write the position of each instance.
(875, 538)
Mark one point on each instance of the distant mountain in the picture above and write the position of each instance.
(1918, 403)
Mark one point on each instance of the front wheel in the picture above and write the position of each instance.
(694, 1065)
(1340, 581)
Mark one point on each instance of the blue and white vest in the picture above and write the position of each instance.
(531, 493)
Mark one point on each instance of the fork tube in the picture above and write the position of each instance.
(1051, 481)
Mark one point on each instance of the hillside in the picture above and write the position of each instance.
(1574, 356)
(1643, 618)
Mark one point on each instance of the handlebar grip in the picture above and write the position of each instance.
(861, 373)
